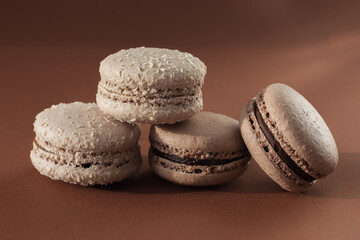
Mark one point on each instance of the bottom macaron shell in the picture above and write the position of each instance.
(86, 176)
(197, 175)
(150, 114)
(256, 141)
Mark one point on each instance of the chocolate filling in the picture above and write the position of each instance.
(278, 149)
(192, 161)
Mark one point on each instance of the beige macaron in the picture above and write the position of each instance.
(206, 149)
(151, 85)
(78, 144)
(288, 138)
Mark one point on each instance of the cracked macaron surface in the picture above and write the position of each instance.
(288, 138)
(206, 149)
(77, 143)
(151, 85)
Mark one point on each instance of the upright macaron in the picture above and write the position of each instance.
(206, 149)
(288, 138)
(78, 144)
(151, 85)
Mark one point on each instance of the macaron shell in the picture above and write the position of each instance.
(78, 144)
(254, 139)
(301, 127)
(86, 176)
(150, 114)
(153, 68)
(83, 126)
(188, 175)
(205, 131)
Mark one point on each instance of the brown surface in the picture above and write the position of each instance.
(51, 53)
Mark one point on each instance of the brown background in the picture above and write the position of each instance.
(50, 53)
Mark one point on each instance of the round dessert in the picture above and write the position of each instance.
(206, 149)
(78, 144)
(288, 138)
(151, 85)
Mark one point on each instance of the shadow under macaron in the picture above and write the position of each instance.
(342, 183)
(339, 185)
(147, 182)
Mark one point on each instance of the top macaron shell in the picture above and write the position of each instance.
(82, 126)
(153, 68)
(301, 127)
(204, 131)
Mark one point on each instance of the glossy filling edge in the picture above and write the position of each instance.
(278, 149)
(197, 162)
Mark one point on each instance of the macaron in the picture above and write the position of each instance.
(78, 144)
(288, 138)
(151, 85)
(206, 149)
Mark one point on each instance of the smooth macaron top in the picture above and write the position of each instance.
(82, 126)
(206, 131)
(153, 68)
(299, 129)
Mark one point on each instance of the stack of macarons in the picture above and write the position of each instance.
(88, 143)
